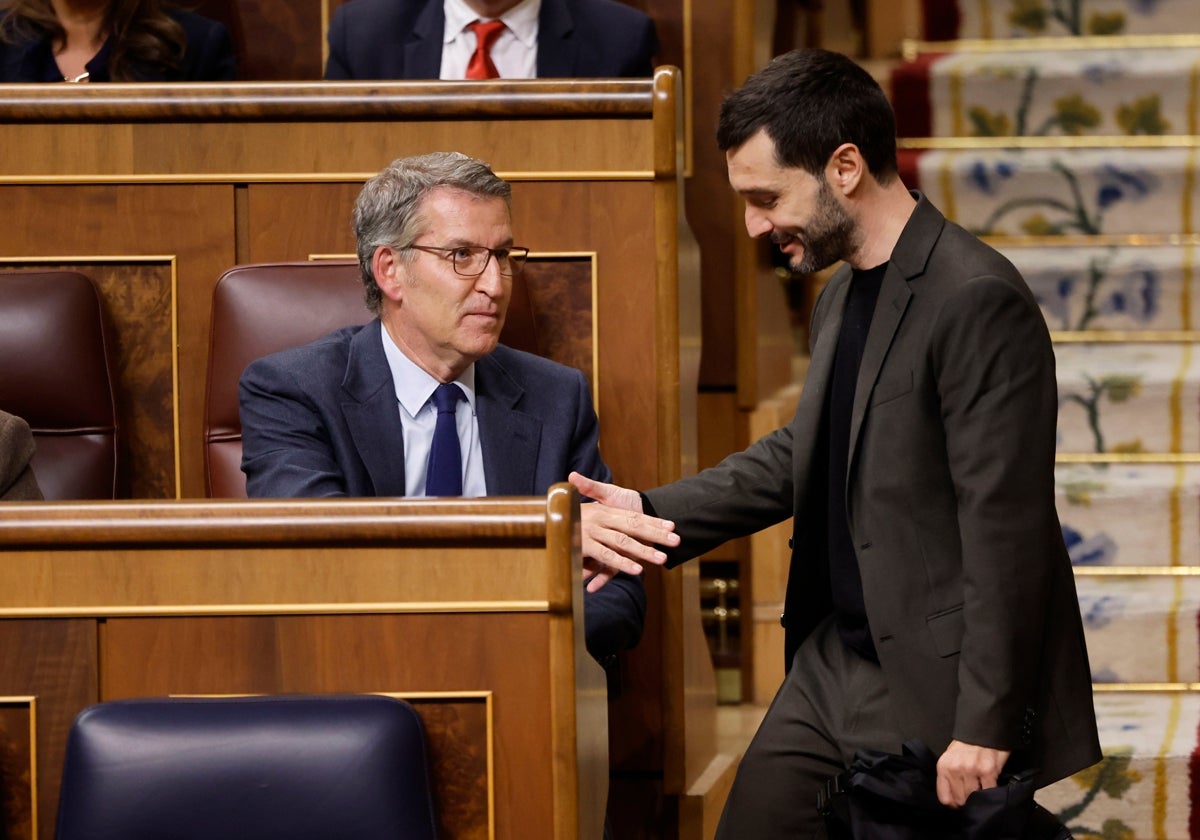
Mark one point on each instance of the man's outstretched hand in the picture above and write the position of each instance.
(617, 535)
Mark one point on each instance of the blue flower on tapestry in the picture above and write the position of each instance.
(1118, 185)
(1136, 296)
(1096, 550)
(988, 177)
(1105, 675)
(1054, 296)
(1102, 71)
(1099, 612)
(1144, 7)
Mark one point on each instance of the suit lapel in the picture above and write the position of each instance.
(423, 51)
(510, 439)
(907, 262)
(371, 412)
(558, 47)
(807, 423)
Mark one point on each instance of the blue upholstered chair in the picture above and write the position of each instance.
(287, 767)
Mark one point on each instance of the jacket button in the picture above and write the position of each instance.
(791, 543)
(782, 622)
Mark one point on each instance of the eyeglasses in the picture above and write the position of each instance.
(472, 260)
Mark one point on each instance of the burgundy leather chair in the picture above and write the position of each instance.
(57, 374)
(262, 308)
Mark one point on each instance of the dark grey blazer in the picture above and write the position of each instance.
(322, 420)
(17, 483)
(402, 39)
(950, 494)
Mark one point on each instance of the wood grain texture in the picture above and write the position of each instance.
(207, 174)
(55, 662)
(159, 562)
(18, 768)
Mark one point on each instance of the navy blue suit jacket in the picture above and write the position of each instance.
(402, 39)
(323, 420)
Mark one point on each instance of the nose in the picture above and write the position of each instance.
(491, 282)
(758, 224)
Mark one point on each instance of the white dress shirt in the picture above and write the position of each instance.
(418, 417)
(515, 51)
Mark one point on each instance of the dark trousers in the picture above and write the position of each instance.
(832, 703)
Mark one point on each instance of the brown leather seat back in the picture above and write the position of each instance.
(260, 309)
(57, 373)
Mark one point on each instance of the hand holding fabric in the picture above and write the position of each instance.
(965, 768)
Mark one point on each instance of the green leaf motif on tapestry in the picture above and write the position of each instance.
(1112, 776)
(1128, 447)
(1028, 14)
(1115, 829)
(1074, 115)
(1143, 116)
(1039, 225)
(1121, 388)
(1080, 492)
(1110, 24)
(985, 123)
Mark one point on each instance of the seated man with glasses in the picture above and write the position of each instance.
(424, 400)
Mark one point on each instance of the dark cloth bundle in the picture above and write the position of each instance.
(883, 796)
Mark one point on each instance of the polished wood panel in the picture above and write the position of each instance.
(205, 175)
(53, 661)
(138, 299)
(187, 225)
(453, 603)
(18, 767)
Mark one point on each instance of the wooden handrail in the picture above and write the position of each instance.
(277, 522)
(322, 100)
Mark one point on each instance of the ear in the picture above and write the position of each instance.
(389, 270)
(845, 169)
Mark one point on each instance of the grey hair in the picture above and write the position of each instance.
(388, 209)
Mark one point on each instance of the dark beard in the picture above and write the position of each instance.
(831, 236)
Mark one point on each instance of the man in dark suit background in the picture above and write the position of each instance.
(433, 39)
(930, 595)
(352, 414)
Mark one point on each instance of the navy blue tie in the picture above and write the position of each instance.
(444, 475)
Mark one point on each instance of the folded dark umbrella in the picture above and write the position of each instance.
(883, 796)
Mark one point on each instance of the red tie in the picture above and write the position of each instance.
(486, 32)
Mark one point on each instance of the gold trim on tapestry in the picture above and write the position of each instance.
(1123, 336)
(1136, 571)
(1132, 240)
(946, 176)
(911, 48)
(1085, 141)
(1146, 688)
(1127, 458)
(956, 101)
(349, 608)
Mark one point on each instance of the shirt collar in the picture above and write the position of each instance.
(521, 19)
(414, 386)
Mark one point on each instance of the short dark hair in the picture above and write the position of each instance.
(388, 209)
(809, 102)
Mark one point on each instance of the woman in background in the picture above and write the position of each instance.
(110, 40)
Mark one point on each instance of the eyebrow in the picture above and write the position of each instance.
(467, 243)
